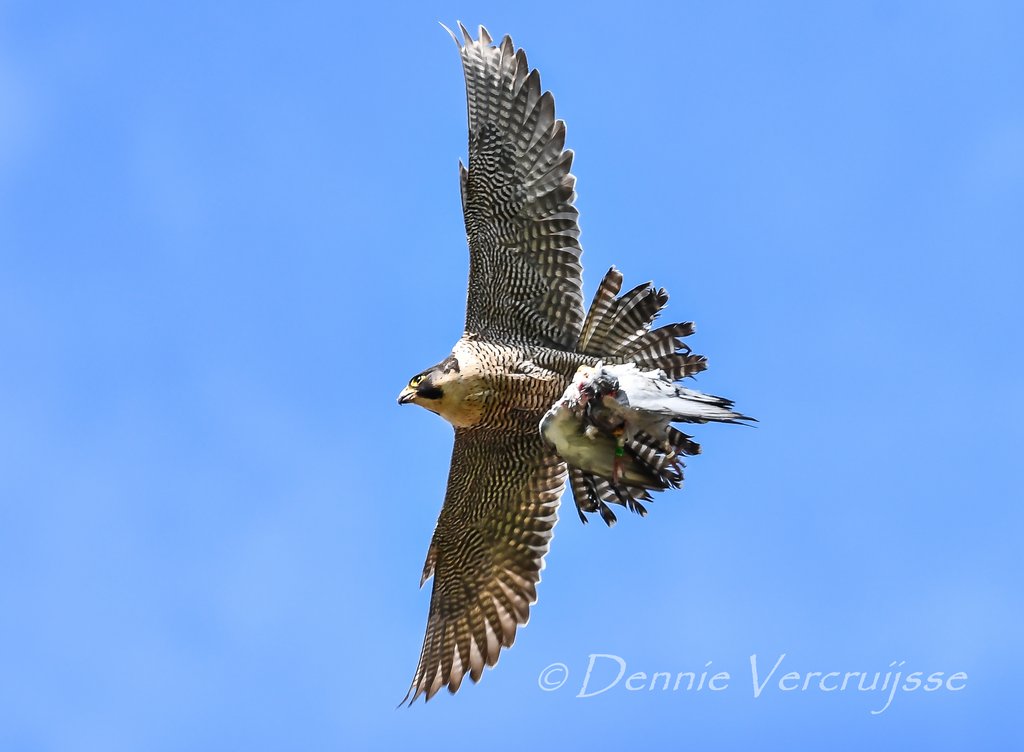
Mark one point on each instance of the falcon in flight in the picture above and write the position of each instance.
(525, 336)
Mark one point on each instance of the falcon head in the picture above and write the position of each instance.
(427, 388)
(423, 389)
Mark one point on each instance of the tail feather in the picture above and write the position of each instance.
(593, 493)
(618, 330)
(633, 315)
(689, 406)
(600, 310)
(663, 341)
(676, 366)
(682, 443)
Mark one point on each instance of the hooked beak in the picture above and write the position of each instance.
(407, 395)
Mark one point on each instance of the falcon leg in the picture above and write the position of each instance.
(620, 451)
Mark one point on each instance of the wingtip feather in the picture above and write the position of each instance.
(452, 35)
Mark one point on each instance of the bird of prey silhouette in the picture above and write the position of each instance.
(525, 336)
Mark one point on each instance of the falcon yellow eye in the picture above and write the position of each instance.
(415, 382)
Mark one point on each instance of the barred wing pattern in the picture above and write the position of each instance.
(517, 199)
(619, 329)
(487, 553)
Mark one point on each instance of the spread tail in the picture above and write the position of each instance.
(618, 330)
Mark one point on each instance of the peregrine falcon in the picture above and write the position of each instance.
(525, 336)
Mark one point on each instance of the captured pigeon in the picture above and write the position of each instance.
(608, 411)
(602, 453)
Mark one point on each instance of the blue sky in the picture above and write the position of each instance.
(228, 237)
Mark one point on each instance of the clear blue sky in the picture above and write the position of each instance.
(228, 237)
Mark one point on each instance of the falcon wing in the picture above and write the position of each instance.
(487, 553)
(517, 198)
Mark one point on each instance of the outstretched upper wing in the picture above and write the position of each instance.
(487, 552)
(517, 198)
